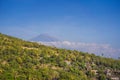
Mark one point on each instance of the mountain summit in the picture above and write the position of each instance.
(45, 38)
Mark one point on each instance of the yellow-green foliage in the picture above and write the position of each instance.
(23, 60)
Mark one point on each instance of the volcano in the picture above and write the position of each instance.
(44, 38)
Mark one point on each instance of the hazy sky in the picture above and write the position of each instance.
(91, 21)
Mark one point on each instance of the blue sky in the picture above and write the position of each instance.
(90, 21)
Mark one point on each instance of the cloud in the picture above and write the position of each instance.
(95, 48)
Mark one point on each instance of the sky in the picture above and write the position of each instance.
(89, 21)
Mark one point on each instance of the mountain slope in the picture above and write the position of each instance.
(23, 60)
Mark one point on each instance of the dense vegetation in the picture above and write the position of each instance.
(23, 60)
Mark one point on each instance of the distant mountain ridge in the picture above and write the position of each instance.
(44, 38)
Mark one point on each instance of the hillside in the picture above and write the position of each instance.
(23, 60)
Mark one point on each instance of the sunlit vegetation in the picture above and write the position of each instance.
(23, 60)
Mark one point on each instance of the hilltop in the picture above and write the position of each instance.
(24, 60)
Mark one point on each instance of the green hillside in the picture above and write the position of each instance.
(23, 60)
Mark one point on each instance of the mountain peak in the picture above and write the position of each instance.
(44, 38)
